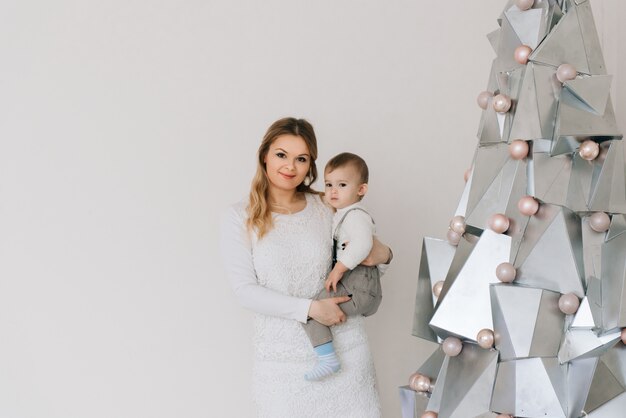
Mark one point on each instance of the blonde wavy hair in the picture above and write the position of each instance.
(259, 212)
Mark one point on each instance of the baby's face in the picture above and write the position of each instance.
(343, 186)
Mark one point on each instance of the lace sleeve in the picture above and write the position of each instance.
(237, 259)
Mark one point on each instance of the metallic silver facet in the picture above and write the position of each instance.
(531, 387)
(609, 188)
(564, 44)
(579, 377)
(527, 321)
(468, 296)
(412, 404)
(613, 283)
(604, 388)
(550, 257)
(583, 318)
(593, 91)
(466, 392)
(579, 344)
(436, 258)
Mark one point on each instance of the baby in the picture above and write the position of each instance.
(345, 177)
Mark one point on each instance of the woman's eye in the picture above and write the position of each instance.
(280, 154)
(302, 159)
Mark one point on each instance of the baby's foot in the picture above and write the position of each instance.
(327, 365)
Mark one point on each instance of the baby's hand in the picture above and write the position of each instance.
(332, 280)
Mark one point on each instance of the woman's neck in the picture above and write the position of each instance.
(285, 201)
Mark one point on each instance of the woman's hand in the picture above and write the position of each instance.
(380, 254)
(326, 311)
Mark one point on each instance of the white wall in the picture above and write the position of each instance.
(126, 127)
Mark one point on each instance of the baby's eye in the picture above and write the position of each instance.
(328, 185)
(342, 184)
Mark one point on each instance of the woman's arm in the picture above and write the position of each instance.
(237, 259)
(380, 255)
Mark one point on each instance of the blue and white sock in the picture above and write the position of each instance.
(327, 363)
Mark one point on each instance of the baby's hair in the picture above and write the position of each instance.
(346, 158)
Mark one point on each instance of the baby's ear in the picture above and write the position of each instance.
(362, 189)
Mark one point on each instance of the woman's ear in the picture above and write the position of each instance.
(362, 189)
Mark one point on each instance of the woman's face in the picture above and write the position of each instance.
(287, 162)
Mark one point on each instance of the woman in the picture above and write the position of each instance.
(277, 248)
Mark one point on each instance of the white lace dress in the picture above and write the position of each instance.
(294, 259)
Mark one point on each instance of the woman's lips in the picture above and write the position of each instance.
(287, 176)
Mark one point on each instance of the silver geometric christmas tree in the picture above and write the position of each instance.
(527, 296)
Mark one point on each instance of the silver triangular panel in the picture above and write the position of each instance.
(564, 44)
(432, 366)
(590, 39)
(583, 318)
(593, 91)
(526, 123)
(494, 39)
(609, 191)
(526, 321)
(574, 124)
(579, 376)
(469, 393)
(527, 25)
(604, 387)
(615, 359)
(489, 130)
(592, 251)
(618, 226)
(548, 90)
(435, 261)
(468, 297)
(510, 184)
(551, 258)
(585, 344)
(487, 165)
(506, 48)
(613, 283)
(531, 388)
(461, 209)
(612, 409)
(551, 177)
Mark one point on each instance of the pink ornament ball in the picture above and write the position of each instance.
(522, 53)
(623, 336)
(528, 206)
(501, 103)
(483, 99)
(452, 346)
(499, 223)
(524, 4)
(437, 287)
(506, 272)
(485, 338)
(430, 414)
(589, 150)
(519, 149)
(422, 384)
(569, 303)
(467, 174)
(413, 381)
(453, 237)
(566, 72)
(457, 224)
(600, 222)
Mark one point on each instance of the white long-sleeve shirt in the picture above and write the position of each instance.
(357, 230)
